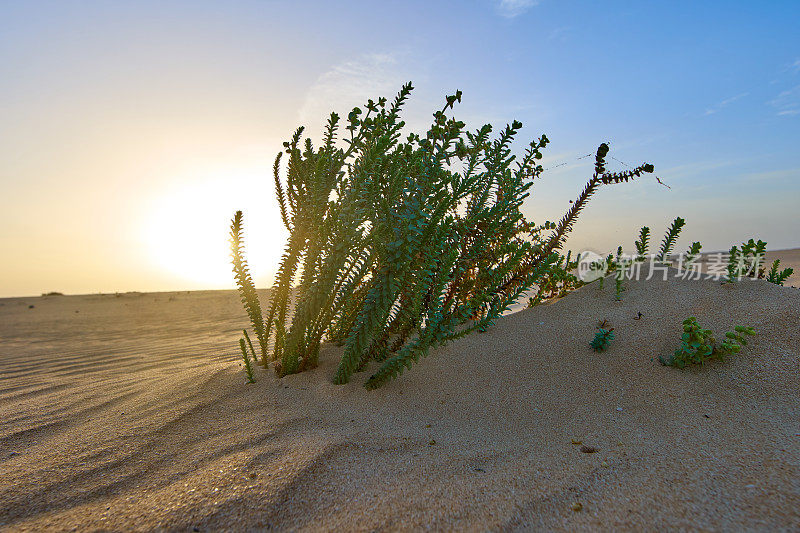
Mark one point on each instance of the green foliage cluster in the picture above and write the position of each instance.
(398, 245)
(748, 261)
(602, 339)
(617, 264)
(557, 281)
(698, 345)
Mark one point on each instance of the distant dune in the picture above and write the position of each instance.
(789, 259)
(132, 413)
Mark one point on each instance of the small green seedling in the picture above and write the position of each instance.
(619, 288)
(642, 244)
(698, 345)
(734, 340)
(734, 264)
(602, 339)
(609, 268)
(693, 252)
(620, 265)
(669, 238)
(752, 254)
(778, 277)
(248, 367)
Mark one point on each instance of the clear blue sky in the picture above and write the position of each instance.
(130, 131)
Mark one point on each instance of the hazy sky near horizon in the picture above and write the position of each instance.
(131, 131)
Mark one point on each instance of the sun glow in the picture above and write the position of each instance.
(186, 229)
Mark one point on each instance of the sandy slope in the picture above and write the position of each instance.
(133, 414)
(789, 259)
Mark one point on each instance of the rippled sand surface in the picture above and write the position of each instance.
(132, 413)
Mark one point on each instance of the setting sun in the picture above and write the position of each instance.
(185, 231)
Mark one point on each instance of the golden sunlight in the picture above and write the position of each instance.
(186, 228)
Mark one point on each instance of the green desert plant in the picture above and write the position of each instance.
(609, 269)
(778, 277)
(734, 266)
(754, 248)
(247, 291)
(734, 340)
(693, 252)
(398, 245)
(698, 345)
(669, 239)
(751, 257)
(620, 264)
(557, 281)
(643, 244)
(602, 339)
(748, 261)
(248, 367)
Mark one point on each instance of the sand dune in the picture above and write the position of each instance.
(789, 259)
(132, 413)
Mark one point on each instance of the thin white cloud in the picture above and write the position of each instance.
(689, 170)
(787, 103)
(776, 176)
(352, 82)
(349, 84)
(724, 103)
(514, 8)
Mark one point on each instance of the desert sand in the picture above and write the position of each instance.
(131, 412)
